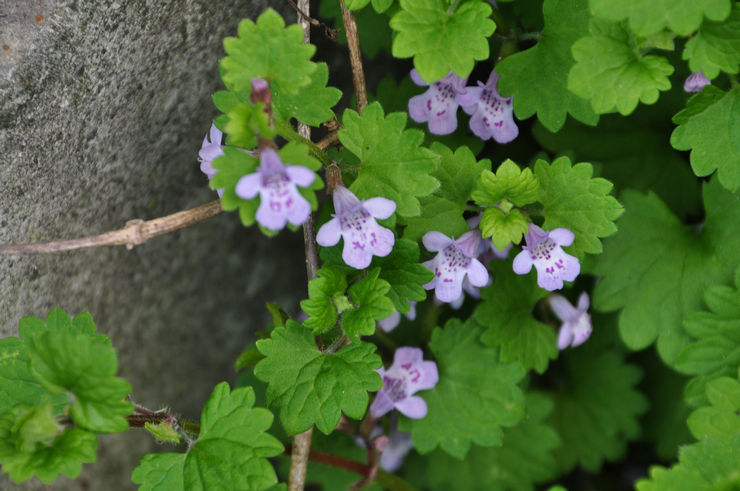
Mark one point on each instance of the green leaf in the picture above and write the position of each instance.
(231, 451)
(524, 459)
(648, 17)
(721, 420)
(163, 432)
(270, 51)
(508, 183)
(503, 228)
(371, 305)
(394, 166)
(372, 26)
(31, 446)
(506, 313)
(235, 164)
(715, 351)
(322, 292)
(708, 465)
(537, 78)
(443, 210)
(655, 269)
(404, 274)
(475, 397)
(710, 128)
(598, 410)
(440, 40)
(575, 200)
(312, 103)
(311, 387)
(610, 73)
(716, 47)
(69, 357)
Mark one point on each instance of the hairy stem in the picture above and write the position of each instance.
(302, 441)
(136, 232)
(355, 56)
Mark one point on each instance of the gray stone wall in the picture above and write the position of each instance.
(103, 106)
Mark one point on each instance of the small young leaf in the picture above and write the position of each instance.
(648, 17)
(371, 305)
(610, 73)
(71, 357)
(231, 451)
(394, 166)
(716, 47)
(440, 40)
(537, 78)
(506, 313)
(475, 397)
(503, 228)
(311, 387)
(575, 200)
(710, 128)
(320, 308)
(508, 183)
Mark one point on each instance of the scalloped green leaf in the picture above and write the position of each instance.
(323, 291)
(441, 40)
(655, 269)
(312, 103)
(710, 128)
(443, 210)
(612, 75)
(401, 269)
(716, 46)
(231, 451)
(720, 420)
(68, 357)
(506, 313)
(648, 17)
(537, 78)
(576, 200)
(598, 410)
(370, 305)
(510, 183)
(310, 387)
(270, 51)
(393, 165)
(475, 398)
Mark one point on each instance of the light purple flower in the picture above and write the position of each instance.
(391, 322)
(492, 115)
(276, 183)
(437, 106)
(695, 82)
(543, 250)
(355, 221)
(210, 150)
(576, 327)
(408, 374)
(455, 261)
(399, 444)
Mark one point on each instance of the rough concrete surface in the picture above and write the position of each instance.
(103, 106)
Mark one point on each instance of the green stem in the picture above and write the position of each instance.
(292, 135)
(501, 28)
(385, 339)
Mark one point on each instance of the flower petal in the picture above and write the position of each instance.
(298, 210)
(413, 407)
(565, 336)
(418, 107)
(270, 218)
(381, 405)
(329, 233)
(469, 99)
(249, 185)
(562, 236)
(477, 273)
(416, 78)
(380, 208)
(429, 377)
(216, 135)
(563, 308)
(583, 302)
(435, 241)
(444, 123)
(522, 263)
(302, 176)
(355, 253)
(382, 240)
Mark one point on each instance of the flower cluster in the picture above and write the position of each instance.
(354, 220)
(491, 115)
(408, 374)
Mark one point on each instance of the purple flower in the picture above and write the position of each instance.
(437, 106)
(576, 327)
(695, 82)
(399, 444)
(355, 221)
(491, 114)
(408, 374)
(209, 150)
(455, 261)
(391, 322)
(276, 183)
(544, 250)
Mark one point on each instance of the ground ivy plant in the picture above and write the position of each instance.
(526, 256)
